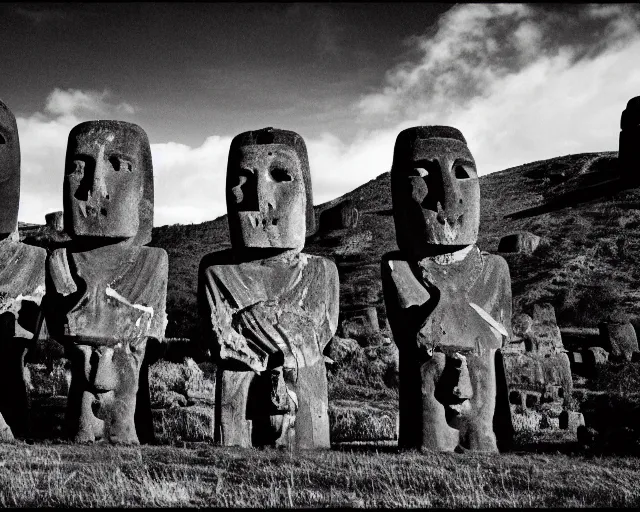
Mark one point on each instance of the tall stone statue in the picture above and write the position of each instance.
(106, 292)
(628, 154)
(269, 310)
(21, 287)
(448, 303)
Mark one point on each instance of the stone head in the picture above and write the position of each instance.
(111, 367)
(630, 117)
(268, 189)
(108, 182)
(453, 389)
(9, 170)
(435, 189)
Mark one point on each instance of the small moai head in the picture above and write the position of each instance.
(435, 189)
(268, 189)
(108, 182)
(9, 171)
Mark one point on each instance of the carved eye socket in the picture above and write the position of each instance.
(2, 139)
(78, 167)
(461, 173)
(279, 174)
(120, 164)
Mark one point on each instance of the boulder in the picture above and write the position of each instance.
(571, 420)
(619, 338)
(341, 349)
(524, 243)
(594, 356)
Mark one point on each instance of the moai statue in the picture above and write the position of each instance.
(448, 304)
(269, 310)
(628, 154)
(21, 287)
(106, 292)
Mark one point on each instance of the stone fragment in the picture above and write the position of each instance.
(341, 349)
(448, 304)
(571, 420)
(619, 338)
(524, 243)
(22, 286)
(343, 215)
(594, 356)
(106, 300)
(268, 309)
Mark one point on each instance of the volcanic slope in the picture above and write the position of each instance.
(583, 207)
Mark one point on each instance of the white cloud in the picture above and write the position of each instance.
(77, 102)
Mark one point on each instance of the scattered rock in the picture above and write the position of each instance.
(524, 242)
(571, 420)
(619, 337)
(340, 349)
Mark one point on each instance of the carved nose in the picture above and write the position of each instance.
(105, 377)
(98, 190)
(453, 202)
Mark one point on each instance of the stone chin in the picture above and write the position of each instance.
(270, 231)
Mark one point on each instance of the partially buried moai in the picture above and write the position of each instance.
(21, 287)
(269, 310)
(448, 303)
(106, 292)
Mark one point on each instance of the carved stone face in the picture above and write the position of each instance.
(108, 184)
(112, 368)
(9, 170)
(266, 197)
(435, 189)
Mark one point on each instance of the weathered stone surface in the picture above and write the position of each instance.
(525, 243)
(343, 215)
(619, 338)
(194, 423)
(340, 349)
(571, 420)
(107, 293)
(55, 221)
(387, 357)
(535, 372)
(9, 170)
(269, 194)
(269, 310)
(448, 304)
(594, 356)
(628, 154)
(22, 286)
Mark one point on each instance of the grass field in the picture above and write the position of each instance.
(203, 475)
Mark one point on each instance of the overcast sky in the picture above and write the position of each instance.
(522, 82)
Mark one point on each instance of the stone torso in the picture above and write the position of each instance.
(447, 292)
(263, 307)
(22, 282)
(94, 304)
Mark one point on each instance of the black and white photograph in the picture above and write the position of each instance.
(309, 255)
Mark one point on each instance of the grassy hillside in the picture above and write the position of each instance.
(588, 216)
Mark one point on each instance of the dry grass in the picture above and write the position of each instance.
(65, 475)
